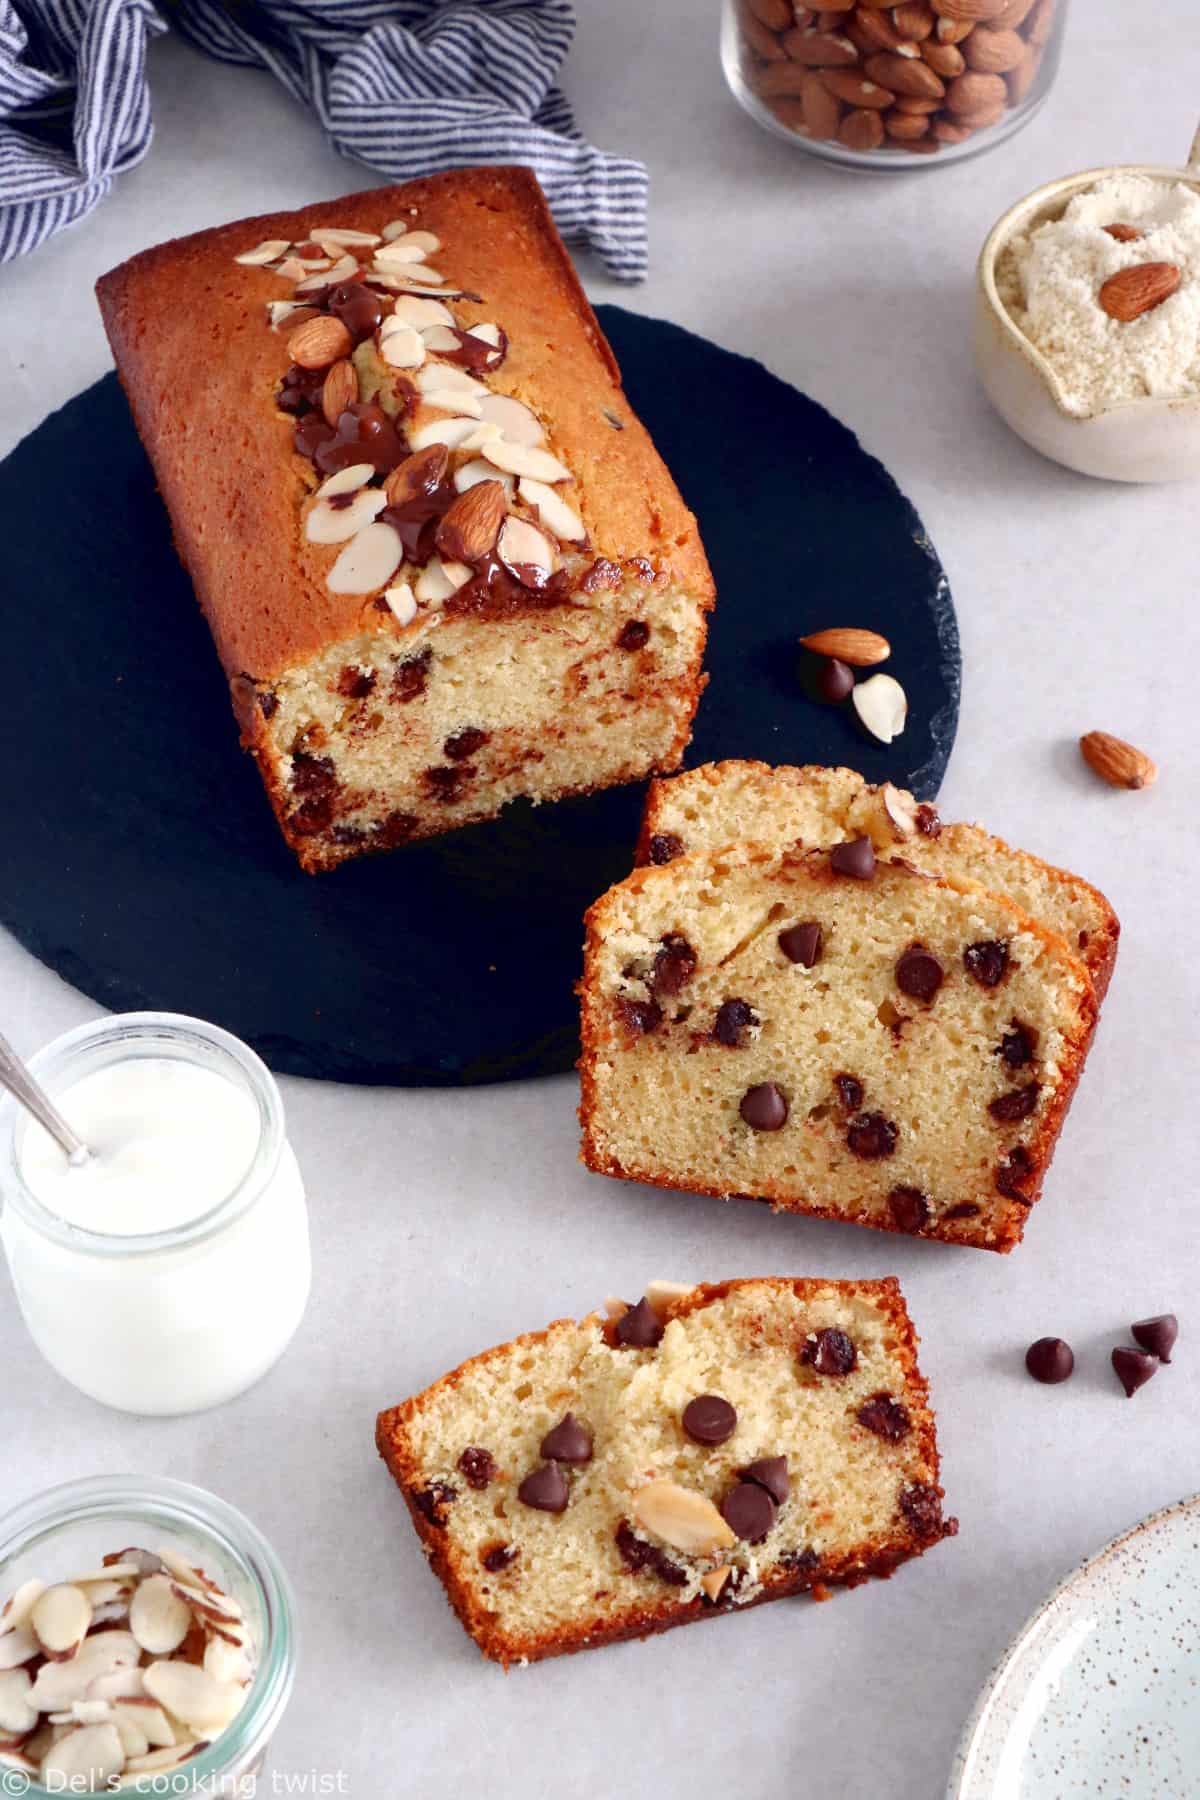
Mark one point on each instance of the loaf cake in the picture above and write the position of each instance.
(743, 802)
(832, 1032)
(442, 562)
(699, 1451)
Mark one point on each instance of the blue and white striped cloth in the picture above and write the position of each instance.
(408, 86)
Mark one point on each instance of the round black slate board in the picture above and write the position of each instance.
(141, 860)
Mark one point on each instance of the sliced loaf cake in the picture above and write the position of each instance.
(698, 1452)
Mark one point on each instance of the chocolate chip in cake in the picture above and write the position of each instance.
(1157, 1335)
(733, 1024)
(569, 1441)
(849, 1091)
(802, 943)
(674, 965)
(709, 1419)
(921, 1505)
(312, 774)
(966, 1209)
(639, 1555)
(354, 683)
(268, 703)
(919, 974)
(987, 962)
(928, 822)
(1016, 1104)
(447, 784)
(410, 677)
(1133, 1368)
(1050, 1360)
(634, 635)
(871, 1136)
(499, 1557)
(800, 1562)
(640, 1328)
(642, 1016)
(835, 680)
(1015, 1170)
(856, 859)
(665, 847)
(909, 1208)
(764, 1107)
(1018, 1047)
(829, 1352)
(395, 829)
(770, 1472)
(478, 1466)
(465, 743)
(546, 1489)
(885, 1417)
(432, 1501)
(749, 1511)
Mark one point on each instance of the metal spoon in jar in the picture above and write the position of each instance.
(21, 1085)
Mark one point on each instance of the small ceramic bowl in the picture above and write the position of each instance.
(1155, 439)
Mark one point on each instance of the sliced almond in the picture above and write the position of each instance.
(901, 809)
(422, 273)
(265, 252)
(192, 1695)
(402, 603)
(468, 529)
(339, 390)
(448, 378)
(334, 521)
(850, 645)
(469, 473)
(715, 1580)
(291, 269)
(418, 310)
(686, 1520)
(84, 1761)
(1132, 292)
(119, 1684)
(402, 348)
(368, 561)
(60, 1619)
(451, 432)
(18, 1715)
(522, 545)
(518, 459)
(552, 510)
(157, 1762)
(16, 1759)
(438, 580)
(158, 1618)
(1120, 764)
(19, 1605)
(399, 254)
(424, 240)
(319, 342)
(148, 1716)
(518, 424)
(110, 1612)
(440, 340)
(224, 1661)
(134, 1741)
(396, 228)
(91, 1712)
(60, 1684)
(452, 400)
(660, 1294)
(615, 1307)
(345, 481)
(338, 237)
(345, 269)
(882, 705)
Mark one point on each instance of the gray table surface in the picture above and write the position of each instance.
(446, 1222)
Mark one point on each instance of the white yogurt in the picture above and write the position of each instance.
(170, 1272)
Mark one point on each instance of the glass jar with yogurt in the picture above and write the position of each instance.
(892, 84)
(170, 1272)
(69, 1530)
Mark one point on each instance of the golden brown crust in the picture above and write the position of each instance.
(200, 366)
(1008, 1223)
(878, 1559)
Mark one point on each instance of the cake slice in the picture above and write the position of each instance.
(745, 802)
(701, 1451)
(833, 1033)
(442, 562)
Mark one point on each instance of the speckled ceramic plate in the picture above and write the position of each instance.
(1098, 1696)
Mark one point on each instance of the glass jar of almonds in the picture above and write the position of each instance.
(880, 85)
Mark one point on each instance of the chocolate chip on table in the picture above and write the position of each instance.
(835, 680)
(634, 635)
(709, 1419)
(734, 1021)
(639, 1555)
(665, 847)
(478, 1466)
(1050, 1360)
(640, 1328)
(498, 1557)
(674, 965)
(987, 962)
(642, 1016)
(919, 974)
(829, 1352)
(1157, 1335)
(1016, 1104)
(545, 1489)
(921, 1505)
(909, 1208)
(1133, 1368)
(749, 1511)
(770, 1472)
(856, 859)
(1018, 1047)
(764, 1107)
(872, 1136)
(802, 943)
(569, 1441)
(885, 1417)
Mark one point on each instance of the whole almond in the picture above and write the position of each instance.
(417, 475)
(972, 94)
(907, 126)
(904, 77)
(763, 43)
(969, 12)
(861, 129)
(319, 342)
(909, 103)
(993, 51)
(339, 390)
(1120, 764)
(856, 90)
(849, 644)
(776, 15)
(1124, 234)
(789, 110)
(873, 30)
(822, 112)
(781, 79)
(947, 131)
(682, 1518)
(914, 20)
(954, 31)
(1128, 294)
(946, 60)
(471, 525)
(1015, 13)
(1021, 79)
(1040, 23)
(820, 49)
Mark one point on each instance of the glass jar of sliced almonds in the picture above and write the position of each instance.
(879, 85)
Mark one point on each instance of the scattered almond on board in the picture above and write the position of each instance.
(1122, 765)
